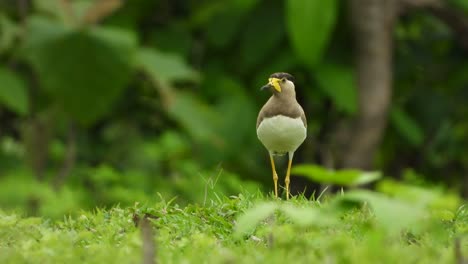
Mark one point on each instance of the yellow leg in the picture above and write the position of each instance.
(275, 175)
(288, 173)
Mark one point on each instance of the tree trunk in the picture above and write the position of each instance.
(373, 23)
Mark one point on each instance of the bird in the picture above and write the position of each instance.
(281, 123)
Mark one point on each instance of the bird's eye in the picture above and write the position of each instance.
(283, 80)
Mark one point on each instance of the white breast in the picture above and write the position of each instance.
(281, 134)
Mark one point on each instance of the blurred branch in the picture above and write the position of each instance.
(459, 259)
(70, 158)
(100, 10)
(37, 137)
(23, 8)
(147, 237)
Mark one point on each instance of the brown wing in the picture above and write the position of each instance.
(264, 112)
(303, 117)
(276, 107)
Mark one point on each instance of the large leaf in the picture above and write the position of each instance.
(407, 126)
(74, 12)
(236, 134)
(198, 118)
(391, 214)
(338, 82)
(54, 8)
(13, 92)
(342, 177)
(227, 96)
(310, 23)
(247, 222)
(40, 30)
(433, 197)
(308, 216)
(9, 30)
(84, 71)
(167, 67)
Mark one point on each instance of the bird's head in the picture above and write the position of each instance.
(280, 82)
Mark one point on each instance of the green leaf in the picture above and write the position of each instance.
(314, 172)
(40, 30)
(338, 82)
(84, 71)
(9, 31)
(433, 198)
(198, 118)
(61, 11)
(304, 216)
(301, 216)
(234, 133)
(357, 177)
(52, 7)
(310, 24)
(166, 67)
(407, 126)
(308, 216)
(122, 40)
(341, 177)
(247, 222)
(391, 214)
(13, 91)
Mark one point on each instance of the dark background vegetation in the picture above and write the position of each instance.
(113, 101)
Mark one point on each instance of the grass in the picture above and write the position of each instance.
(362, 227)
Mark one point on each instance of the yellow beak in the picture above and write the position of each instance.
(275, 83)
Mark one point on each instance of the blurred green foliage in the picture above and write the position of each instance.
(346, 177)
(125, 100)
(357, 227)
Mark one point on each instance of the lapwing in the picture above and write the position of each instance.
(281, 123)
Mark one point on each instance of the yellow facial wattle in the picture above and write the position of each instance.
(275, 83)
